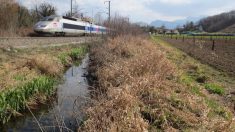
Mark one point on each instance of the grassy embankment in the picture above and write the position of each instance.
(28, 77)
(201, 75)
(204, 81)
(213, 37)
(138, 88)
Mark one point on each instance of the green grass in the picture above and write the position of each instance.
(214, 88)
(13, 100)
(77, 52)
(72, 55)
(217, 109)
(19, 77)
(188, 80)
(196, 90)
(64, 58)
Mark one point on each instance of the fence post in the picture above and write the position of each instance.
(183, 38)
(213, 45)
(194, 41)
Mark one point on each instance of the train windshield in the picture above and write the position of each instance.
(48, 19)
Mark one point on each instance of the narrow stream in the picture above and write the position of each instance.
(62, 114)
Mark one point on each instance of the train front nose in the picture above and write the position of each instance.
(41, 27)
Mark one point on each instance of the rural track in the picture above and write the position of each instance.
(33, 42)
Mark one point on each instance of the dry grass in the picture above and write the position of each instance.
(46, 64)
(12, 74)
(18, 67)
(27, 77)
(22, 70)
(137, 90)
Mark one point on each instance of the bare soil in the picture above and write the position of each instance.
(222, 57)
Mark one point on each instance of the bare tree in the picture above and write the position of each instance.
(218, 22)
(76, 12)
(24, 17)
(46, 9)
(8, 16)
(121, 25)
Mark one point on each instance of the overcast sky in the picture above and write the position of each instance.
(145, 10)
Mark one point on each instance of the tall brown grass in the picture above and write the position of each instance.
(46, 64)
(137, 90)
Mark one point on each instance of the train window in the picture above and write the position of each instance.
(44, 19)
(50, 19)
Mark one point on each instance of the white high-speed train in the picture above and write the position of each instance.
(61, 25)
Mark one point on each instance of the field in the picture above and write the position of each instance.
(217, 51)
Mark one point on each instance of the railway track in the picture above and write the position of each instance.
(31, 42)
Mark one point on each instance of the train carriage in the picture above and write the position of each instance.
(61, 25)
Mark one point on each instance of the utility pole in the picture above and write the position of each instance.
(71, 7)
(109, 9)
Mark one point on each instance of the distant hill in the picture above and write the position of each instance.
(230, 29)
(174, 24)
(223, 22)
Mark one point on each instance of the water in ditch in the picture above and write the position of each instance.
(65, 112)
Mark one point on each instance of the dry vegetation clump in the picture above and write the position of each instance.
(137, 90)
(12, 74)
(46, 64)
(118, 112)
(23, 70)
(20, 67)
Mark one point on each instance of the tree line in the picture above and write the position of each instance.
(15, 17)
(218, 22)
(211, 24)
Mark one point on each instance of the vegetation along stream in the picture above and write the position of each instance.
(64, 113)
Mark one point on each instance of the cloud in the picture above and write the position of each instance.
(221, 9)
(144, 10)
(176, 2)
